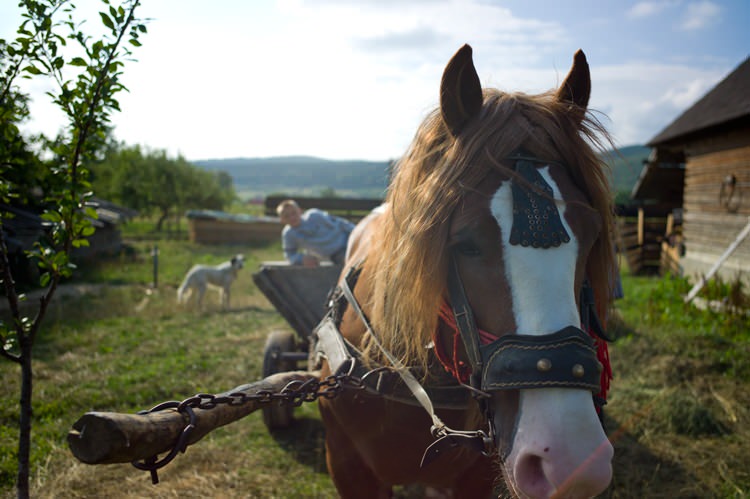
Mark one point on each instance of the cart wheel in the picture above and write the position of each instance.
(275, 414)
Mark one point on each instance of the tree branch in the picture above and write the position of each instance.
(10, 293)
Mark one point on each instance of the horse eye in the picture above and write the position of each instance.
(467, 248)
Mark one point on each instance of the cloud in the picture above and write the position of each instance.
(684, 94)
(640, 99)
(646, 9)
(700, 15)
(415, 38)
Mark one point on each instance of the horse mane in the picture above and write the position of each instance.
(407, 264)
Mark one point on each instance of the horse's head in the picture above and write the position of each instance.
(502, 196)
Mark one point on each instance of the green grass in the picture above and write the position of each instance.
(678, 411)
(721, 340)
(125, 347)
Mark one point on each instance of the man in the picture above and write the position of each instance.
(320, 235)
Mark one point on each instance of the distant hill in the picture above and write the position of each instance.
(303, 175)
(626, 164)
(310, 176)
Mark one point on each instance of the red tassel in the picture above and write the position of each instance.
(602, 354)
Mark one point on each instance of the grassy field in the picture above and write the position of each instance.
(678, 413)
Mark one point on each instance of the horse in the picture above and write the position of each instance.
(472, 278)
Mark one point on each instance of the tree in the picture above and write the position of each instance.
(86, 73)
(155, 184)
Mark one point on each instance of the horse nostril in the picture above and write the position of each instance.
(530, 477)
(544, 474)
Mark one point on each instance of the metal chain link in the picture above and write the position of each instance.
(294, 393)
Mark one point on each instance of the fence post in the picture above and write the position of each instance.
(641, 228)
(155, 257)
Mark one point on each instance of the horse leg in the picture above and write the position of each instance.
(350, 474)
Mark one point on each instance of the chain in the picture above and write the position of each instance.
(295, 393)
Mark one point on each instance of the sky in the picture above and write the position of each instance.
(343, 79)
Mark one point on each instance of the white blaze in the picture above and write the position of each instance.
(541, 280)
(556, 427)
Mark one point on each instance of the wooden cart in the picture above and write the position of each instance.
(299, 294)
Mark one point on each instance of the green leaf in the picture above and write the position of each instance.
(107, 21)
(32, 70)
(77, 61)
(52, 216)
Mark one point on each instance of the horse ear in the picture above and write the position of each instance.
(460, 91)
(577, 85)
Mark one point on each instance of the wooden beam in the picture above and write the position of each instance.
(112, 437)
(641, 220)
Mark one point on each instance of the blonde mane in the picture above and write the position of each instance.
(408, 261)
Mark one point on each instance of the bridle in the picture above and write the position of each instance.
(564, 359)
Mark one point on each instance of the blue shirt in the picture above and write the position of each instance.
(318, 232)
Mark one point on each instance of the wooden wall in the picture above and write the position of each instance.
(715, 212)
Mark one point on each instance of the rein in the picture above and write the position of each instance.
(477, 439)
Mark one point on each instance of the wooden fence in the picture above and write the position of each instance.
(650, 238)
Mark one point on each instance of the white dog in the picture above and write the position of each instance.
(216, 276)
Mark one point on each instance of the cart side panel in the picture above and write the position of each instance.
(298, 293)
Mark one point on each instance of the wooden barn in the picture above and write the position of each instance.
(699, 169)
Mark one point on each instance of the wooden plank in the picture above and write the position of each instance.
(714, 218)
(298, 293)
(740, 255)
(670, 260)
(699, 285)
(716, 237)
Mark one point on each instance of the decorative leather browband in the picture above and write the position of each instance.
(536, 221)
(565, 359)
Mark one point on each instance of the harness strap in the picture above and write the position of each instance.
(406, 376)
(465, 323)
(592, 325)
(345, 358)
(471, 336)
